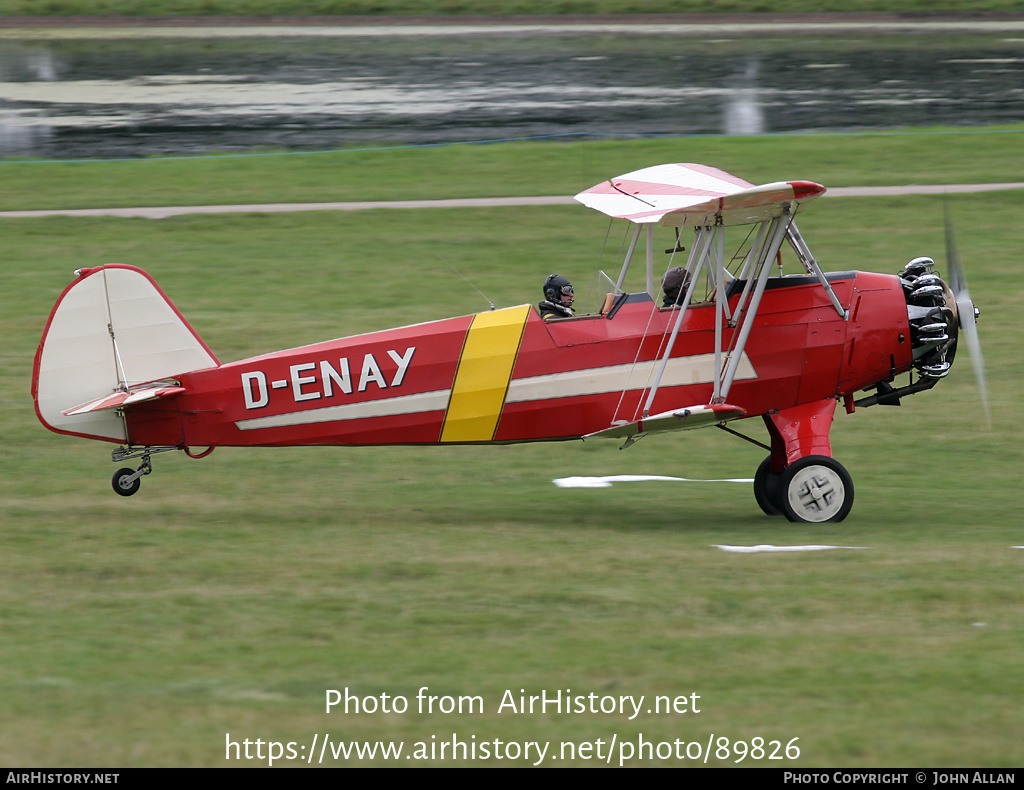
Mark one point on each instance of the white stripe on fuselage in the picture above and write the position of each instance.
(385, 407)
(680, 371)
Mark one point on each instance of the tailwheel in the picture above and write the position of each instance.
(767, 488)
(126, 481)
(815, 489)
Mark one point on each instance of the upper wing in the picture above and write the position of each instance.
(691, 194)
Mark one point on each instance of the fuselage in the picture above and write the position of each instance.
(507, 376)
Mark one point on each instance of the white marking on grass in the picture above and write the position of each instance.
(606, 482)
(766, 548)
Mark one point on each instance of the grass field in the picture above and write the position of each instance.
(225, 599)
(268, 8)
(564, 167)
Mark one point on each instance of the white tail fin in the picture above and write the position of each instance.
(112, 331)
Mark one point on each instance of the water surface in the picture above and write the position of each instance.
(127, 97)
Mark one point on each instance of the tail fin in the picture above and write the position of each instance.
(111, 332)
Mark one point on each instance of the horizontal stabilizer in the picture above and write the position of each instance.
(116, 399)
(675, 420)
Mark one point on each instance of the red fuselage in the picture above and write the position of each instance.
(507, 376)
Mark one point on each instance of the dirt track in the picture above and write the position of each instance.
(161, 212)
(816, 24)
(510, 19)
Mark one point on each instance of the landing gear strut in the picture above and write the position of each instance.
(127, 481)
(800, 480)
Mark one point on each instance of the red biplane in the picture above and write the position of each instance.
(118, 362)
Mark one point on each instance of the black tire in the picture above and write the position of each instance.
(121, 484)
(767, 488)
(816, 489)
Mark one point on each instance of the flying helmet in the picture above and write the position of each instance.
(555, 287)
(673, 281)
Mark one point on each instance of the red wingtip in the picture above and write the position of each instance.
(806, 189)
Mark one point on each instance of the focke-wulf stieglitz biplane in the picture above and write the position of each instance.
(119, 363)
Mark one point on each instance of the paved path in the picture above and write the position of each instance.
(696, 25)
(161, 212)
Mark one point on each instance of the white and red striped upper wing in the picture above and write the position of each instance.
(692, 194)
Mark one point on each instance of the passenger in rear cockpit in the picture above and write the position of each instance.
(674, 285)
(558, 298)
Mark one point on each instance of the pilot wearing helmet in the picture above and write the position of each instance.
(558, 298)
(674, 284)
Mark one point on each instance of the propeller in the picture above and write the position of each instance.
(967, 313)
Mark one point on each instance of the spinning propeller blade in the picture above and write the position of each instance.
(967, 313)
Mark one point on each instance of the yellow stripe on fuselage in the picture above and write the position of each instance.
(485, 369)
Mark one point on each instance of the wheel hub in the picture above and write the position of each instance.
(817, 493)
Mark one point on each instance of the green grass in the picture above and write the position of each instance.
(930, 156)
(262, 8)
(232, 592)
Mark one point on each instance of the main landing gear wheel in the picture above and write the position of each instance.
(126, 481)
(816, 489)
(767, 488)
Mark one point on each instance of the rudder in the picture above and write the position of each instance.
(111, 330)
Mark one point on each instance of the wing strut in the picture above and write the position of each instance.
(698, 259)
(777, 230)
(749, 265)
(803, 252)
(628, 258)
(721, 306)
(709, 199)
(708, 252)
(650, 260)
